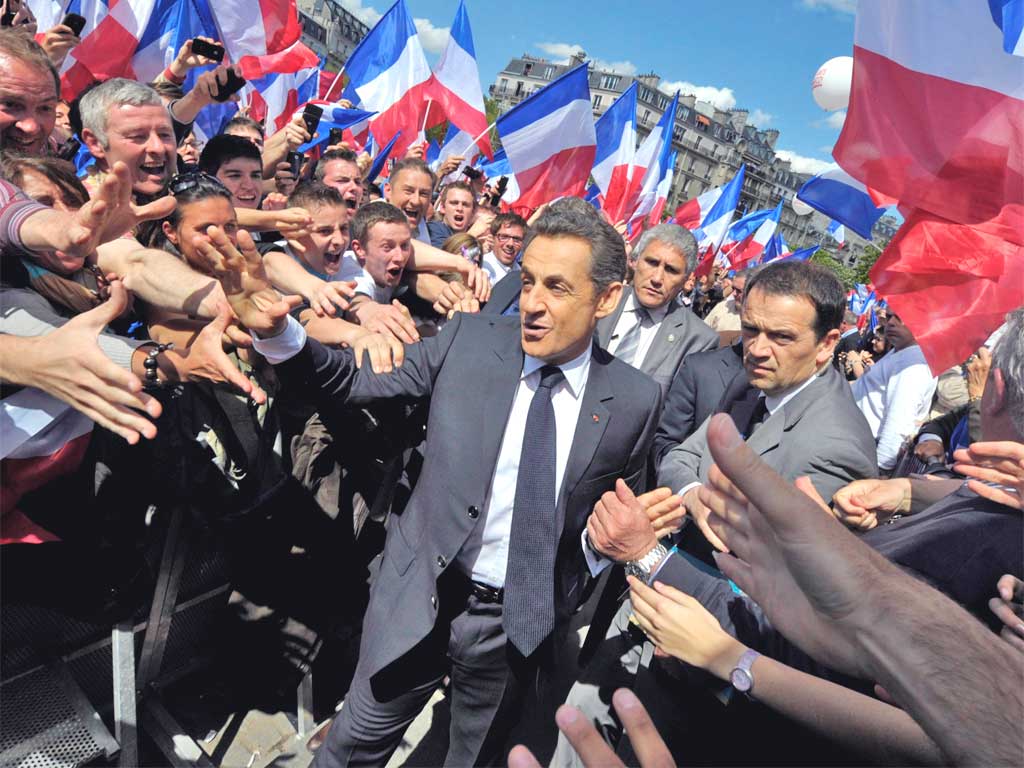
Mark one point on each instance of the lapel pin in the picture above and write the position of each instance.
(595, 417)
(671, 337)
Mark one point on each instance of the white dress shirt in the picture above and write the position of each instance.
(493, 267)
(648, 330)
(484, 556)
(895, 395)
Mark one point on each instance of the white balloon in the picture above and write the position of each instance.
(831, 84)
(800, 208)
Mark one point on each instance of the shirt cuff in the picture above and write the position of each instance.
(596, 562)
(927, 437)
(284, 346)
(687, 488)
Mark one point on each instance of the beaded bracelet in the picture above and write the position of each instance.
(150, 364)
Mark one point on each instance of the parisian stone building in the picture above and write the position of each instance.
(330, 30)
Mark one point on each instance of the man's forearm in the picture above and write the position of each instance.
(427, 258)
(426, 286)
(161, 280)
(254, 219)
(924, 493)
(287, 275)
(275, 150)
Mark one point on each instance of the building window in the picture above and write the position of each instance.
(549, 72)
(519, 88)
(646, 95)
(610, 82)
(527, 67)
(663, 102)
(677, 133)
(597, 101)
(647, 117)
(504, 85)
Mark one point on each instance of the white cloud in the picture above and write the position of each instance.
(801, 164)
(836, 119)
(760, 118)
(843, 6)
(433, 39)
(564, 51)
(723, 98)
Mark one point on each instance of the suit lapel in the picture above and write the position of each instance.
(590, 426)
(669, 334)
(505, 372)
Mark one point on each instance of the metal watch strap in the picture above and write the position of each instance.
(643, 567)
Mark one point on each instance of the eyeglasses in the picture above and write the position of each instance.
(509, 239)
(183, 182)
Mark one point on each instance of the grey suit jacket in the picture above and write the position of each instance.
(471, 372)
(680, 333)
(819, 433)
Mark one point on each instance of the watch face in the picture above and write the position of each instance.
(741, 680)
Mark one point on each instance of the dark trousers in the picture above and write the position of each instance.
(487, 684)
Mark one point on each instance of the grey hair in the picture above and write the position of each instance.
(675, 237)
(1008, 357)
(607, 251)
(116, 92)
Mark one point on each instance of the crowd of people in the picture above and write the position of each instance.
(784, 525)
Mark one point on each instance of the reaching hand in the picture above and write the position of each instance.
(664, 510)
(186, 60)
(58, 42)
(619, 527)
(275, 201)
(386, 352)
(293, 223)
(994, 462)
(330, 296)
(681, 627)
(863, 502)
(978, 367)
(240, 271)
(482, 223)
(698, 511)
(808, 573)
(593, 749)
(392, 319)
(295, 133)
(450, 164)
(108, 216)
(478, 282)
(68, 364)
(455, 297)
(1008, 607)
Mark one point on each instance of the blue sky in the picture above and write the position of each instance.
(745, 53)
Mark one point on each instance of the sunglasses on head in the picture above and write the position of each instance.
(183, 182)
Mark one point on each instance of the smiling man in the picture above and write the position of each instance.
(650, 330)
(235, 161)
(483, 570)
(410, 189)
(29, 92)
(793, 407)
(126, 121)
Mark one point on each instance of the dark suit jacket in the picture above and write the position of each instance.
(504, 294)
(844, 345)
(471, 372)
(680, 334)
(694, 395)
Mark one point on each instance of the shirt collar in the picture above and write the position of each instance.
(774, 402)
(657, 314)
(855, 329)
(575, 371)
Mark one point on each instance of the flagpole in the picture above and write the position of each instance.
(485, 132)
(334, 82)
(426, 116)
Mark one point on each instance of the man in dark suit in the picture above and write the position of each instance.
(849, 341)
(694, 395)
(649, 329)
(529, 424)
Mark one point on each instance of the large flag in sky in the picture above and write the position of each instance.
(388, 74)
(661, 191)
(616, 144)
(750, 236)
(456, 85)
(650, 163)
(550, 141)
(841, 197)
(691, 213)
(715, 224)
(936, 120)
(457, 143)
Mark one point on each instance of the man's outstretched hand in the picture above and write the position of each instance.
(240, 271)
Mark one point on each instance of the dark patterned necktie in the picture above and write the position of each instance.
(630, 344)
(529, 613)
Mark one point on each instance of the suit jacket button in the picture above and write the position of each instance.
(441, 562)
(433, 602)
(474, 512)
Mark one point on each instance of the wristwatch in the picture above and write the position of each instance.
(741, 677)
(644, 567)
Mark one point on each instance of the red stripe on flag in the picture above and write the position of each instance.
(280, 23)
(564, 174)
(688, 214)
(935, 144)
(617, 194)
(469, 119)
(405, 115)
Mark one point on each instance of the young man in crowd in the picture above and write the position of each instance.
(410, 188)
(235, 162)
(339, 168)
(456, 206)
(30, 91)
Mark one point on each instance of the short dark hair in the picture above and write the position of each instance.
(457, 185)
(19, 45)
(607, 251)
(850, 317)
(816, 283)
(411, 164)
(335, 154)
(241, 121)
(224, 148)
(371, 214)
(508, 220)
(313, 195)
(167, 89)
(60, 172)
(575, 204)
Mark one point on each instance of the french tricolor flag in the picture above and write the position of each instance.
(457, 143)
(274, 98)
(936, 120)
(691, 213)
(616, 145)
(550, 141)
(456, 85)
(840, 196)
(661, 191)
(714, 227)
(750, 236)
(651, 162)
(388, 74)
(838, 232)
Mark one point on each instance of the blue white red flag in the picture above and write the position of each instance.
(714, 227)
(388, 74)
(1009, 17)
(334, 117)
(456, 85)
(550, 141)
(613, 158)
(651, 163)
(661, 192)
(841, 197)
(382, 157)
(751, 236)
(838, 232)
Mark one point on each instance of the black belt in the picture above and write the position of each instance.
(460, 582)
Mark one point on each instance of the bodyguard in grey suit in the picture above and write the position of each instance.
(529, 424)
(649, 329)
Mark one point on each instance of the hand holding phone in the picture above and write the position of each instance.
(74, 22)
(231, 85)
(295, 163)
(311, 117)
(207, 49)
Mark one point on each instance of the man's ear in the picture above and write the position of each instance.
(995, 391)
(387, 191)
(93, 144)
(608, 300)
(359, 251)
(169, 233)
(827, 346)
